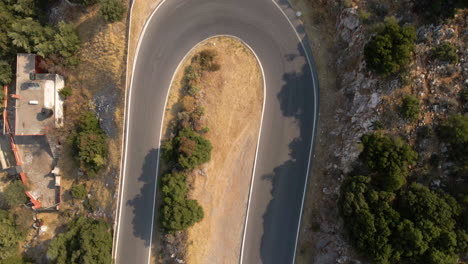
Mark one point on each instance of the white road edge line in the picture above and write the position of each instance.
(314, 125)
(126, 127)
(126, 113)
(160, 133)
(310, 149)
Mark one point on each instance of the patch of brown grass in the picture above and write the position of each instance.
(101, 69)
(233, 99)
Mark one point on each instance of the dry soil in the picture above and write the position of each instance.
(233, 99)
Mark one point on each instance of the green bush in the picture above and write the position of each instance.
(65, 92)
(85, 241)
(188, 149)
(191, 73)
(5, 73)
(390, 158)
(79, 192)
(112, 10)
(416, 225)
(206, 60)
(364, 15)
(446, 52)
(410, 108)
(178, 213)
(378, 125)
(391, 49)
(2, 96)
(66, 41)
(91, 204)
(14, 194)
(9, 238)
(90, 143)
(193, 90)
(454, 131)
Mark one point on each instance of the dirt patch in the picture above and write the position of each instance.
(233, 108)
(319, 19)
(98, 83)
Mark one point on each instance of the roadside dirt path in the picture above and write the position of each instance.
(233, 103)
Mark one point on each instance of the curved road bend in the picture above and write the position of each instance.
(286, 132)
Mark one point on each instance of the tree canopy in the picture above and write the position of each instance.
(389, 158)
(189, 149)
(112, 10)
(90, 143)
(390, 50)
(21, 31)
(454, 131)
(86, 240)
(410, 108)
(416, 225)
(14, 194)
(9, 237)
(178, 212)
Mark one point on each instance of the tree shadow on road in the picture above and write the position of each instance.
(143, 202)
(280, 220)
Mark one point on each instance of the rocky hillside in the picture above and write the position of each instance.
(437, 77)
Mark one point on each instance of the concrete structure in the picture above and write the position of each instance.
(39, 106)
(38, 109)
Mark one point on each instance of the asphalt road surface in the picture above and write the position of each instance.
(289, 118)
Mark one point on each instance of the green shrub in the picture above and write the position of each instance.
(14, 194)
(446, 52)
(112, 10)
(364, 15)
(410, 108)
(65, 92)
(193, 90)
(191, 73)
(79, 192)
(415, 225)
(390, 158)
(391, 49)
(91, 204)
(206, 60)
(5, 73)
(178, 213)
(90, 143)
(2, 96)
(66, 42)
(378, 125)
(86, 241)
(454, 131)
(348, 3)
(188, 149)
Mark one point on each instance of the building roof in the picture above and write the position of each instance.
(39, 106)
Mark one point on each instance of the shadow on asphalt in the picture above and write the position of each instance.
(281, 216)
(143, 202)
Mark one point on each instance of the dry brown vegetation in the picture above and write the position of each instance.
(232, 98)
